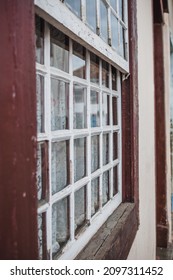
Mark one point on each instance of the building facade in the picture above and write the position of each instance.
(85, 146)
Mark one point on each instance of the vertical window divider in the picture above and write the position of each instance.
(111, 134)
(48, 131)
(83, 10)
(101, 134)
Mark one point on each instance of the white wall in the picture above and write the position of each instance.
(144, 246)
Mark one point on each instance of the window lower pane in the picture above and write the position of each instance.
(105, 149)
(122, 38)
(94, 153)
(60, 165)
(94, 196)
(79, 158)
(115, 180)
(40, 102)
(114, 31)
(105, 74)
(95, 109)
(114, 111)
(59, 105)
(60, 225)
(42, 171)
(105, 109)
(80, 107)
(105, 188)
(42, 244)
(39, 23)
(80, 208)
(59, 49)
(115, 145)
(114, 78)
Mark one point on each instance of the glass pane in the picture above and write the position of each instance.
(103, 21)
(94, 196)
(105, 148)
(91, 14)
(115, 145)
(40, 102)
(115, 180)
(60, 225)
(105, 109)
(80, 208)
(121, 47)
(42, 171)
(79, 60)
(94, 153)
(120, 9)
(59, 49)
(80, 109)
(114, 111)
(59, 104)
(42, 250)
(79, 158)
(114, 78)
(60, 165)
(75, 6)
(94, 68)
(105, 74)
(105, 188)
(114, 4)
(39, 22)
(95, 109)
(114, 31)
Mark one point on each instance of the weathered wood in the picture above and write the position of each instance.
(18, 219)
(160, 136)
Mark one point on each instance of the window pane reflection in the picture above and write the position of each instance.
(103, 21)
(115, 180)
(40, 102)
(60, 165)
(114, 111)
(59, 49)
(39, 22)
(94, 153)
(75, 6)
(91, 14)
(105, 187)
(42, 250)
(94, 196)
(80, 109)
(114, 31)
(105, 109)
(94, 68)
(105, 74)
(60, 225)
(79, 158)
(105, 148)
(79, 60)
(59, 104)
(114, 78)
(114, 4)
(80, 208)
(95, 109)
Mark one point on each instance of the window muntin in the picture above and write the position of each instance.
(73, 142)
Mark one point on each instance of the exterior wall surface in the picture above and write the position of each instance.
(147, 229)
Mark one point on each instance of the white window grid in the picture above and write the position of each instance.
(76, 243)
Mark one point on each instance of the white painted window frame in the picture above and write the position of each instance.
(75, 244)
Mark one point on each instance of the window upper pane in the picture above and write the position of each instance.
(79, 60)
(95, 153)
(59, 49)
(79, 158)
(94, 68)
(94, 108)
(79, 107)
(39, 22)
(114, 32)
(40, 102)
(105, 73)
(91, 14)
(75, 6)
(103, 21)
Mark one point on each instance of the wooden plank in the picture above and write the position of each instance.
(18, 222)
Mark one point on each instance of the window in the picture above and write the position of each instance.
(79, 141)
(107, 18)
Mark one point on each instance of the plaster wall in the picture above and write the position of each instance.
(144, 246)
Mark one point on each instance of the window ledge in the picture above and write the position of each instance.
(114, 239)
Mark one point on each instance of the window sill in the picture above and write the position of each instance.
(114, 239)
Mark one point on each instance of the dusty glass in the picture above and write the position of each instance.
(79, 107)
(94, 108)
(79, 158)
